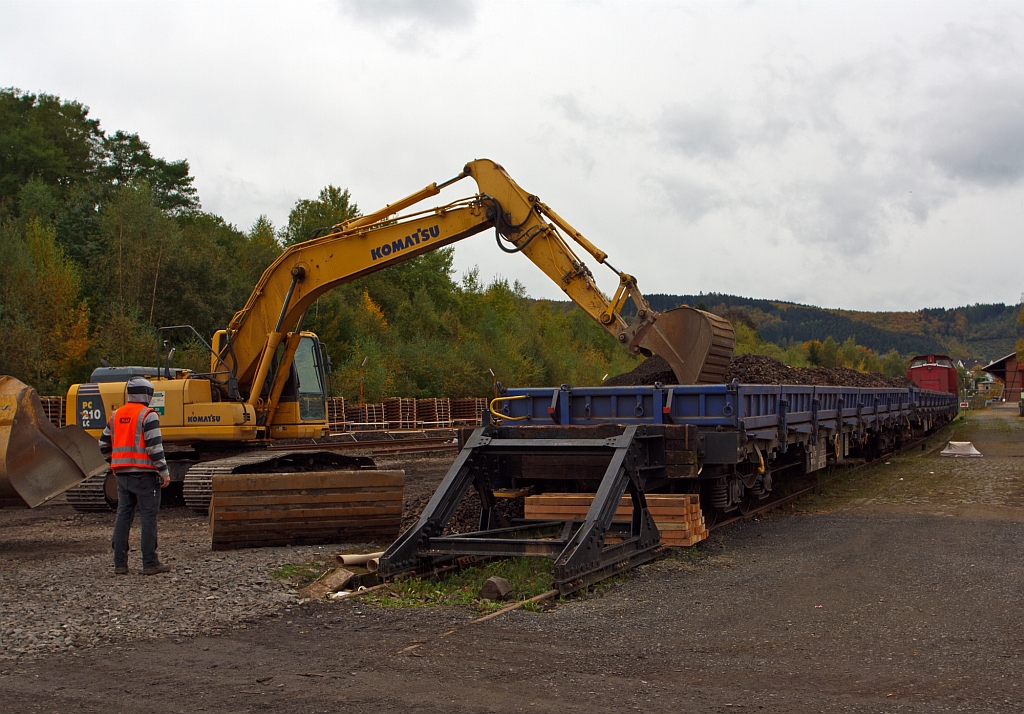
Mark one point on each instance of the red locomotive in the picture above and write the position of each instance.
(934, 372)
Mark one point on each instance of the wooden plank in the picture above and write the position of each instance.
(316, 479)
(298, 540)
(682, 498)
(578, 508)
(267, 514)
(297, 529)
(676, 527)
(249, 528)
(230, 501)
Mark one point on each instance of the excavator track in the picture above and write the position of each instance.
(91, 495)
(198, 486)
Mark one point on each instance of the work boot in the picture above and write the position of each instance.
(156, 569)
(121, 570)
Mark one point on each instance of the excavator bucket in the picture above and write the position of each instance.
(39, 461)
(697, 345)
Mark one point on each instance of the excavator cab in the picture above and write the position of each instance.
(303, 399)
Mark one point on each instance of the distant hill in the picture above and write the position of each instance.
(983, 331)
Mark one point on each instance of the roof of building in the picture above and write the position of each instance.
(971, 362)
(1000, 364)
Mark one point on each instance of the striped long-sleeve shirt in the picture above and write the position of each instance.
(151, 436)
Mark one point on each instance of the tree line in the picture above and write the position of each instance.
(102, 242)
(988, 331)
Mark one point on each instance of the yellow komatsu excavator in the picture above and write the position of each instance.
(266, 381)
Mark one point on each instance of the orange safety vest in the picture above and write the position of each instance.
(128, 446)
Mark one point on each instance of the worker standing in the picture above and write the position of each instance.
(133, 446)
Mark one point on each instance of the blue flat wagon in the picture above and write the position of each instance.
(727, 442)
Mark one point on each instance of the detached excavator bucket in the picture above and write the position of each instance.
(698, 345)
(38, 461)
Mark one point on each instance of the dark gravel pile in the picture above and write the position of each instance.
(758, 369)
(654, 369)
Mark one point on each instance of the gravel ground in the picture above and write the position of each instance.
(58, 590)
(897, 590)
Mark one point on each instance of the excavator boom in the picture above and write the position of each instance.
(697, 344)
(240, 399)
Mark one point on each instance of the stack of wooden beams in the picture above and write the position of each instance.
(257, 510)
(400, 412)
(677, 515)
(434, 413)
(368, 416)
(336, 414)
(54, 408)
(468, 411)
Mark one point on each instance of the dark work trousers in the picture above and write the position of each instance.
(142, 490)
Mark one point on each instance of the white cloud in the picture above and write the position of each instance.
(802, 151)
(439, 14)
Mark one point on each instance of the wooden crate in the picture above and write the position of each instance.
(467, 411)
(400, 412)
(54, 407)
(434, 413)
(678, 516)
(256, 510)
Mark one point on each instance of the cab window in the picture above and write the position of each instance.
(311, 387)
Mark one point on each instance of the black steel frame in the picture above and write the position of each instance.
(579, 549)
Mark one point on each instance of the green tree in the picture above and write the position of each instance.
(45, 138)
(893, 365)
(44, 326)
(332, 206)
(1020, 330)
(127, 160)
(851, 353)
(830, 355)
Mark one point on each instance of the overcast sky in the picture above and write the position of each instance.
(856, 155)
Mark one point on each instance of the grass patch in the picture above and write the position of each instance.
(839, 486)
(299, 575)
(529, 577)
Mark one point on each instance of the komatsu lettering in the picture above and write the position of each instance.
(422, 235)
(203, 419)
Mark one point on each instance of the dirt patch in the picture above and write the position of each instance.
(759, 369)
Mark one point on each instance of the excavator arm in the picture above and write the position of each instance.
(38, 461)
(696, 344)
